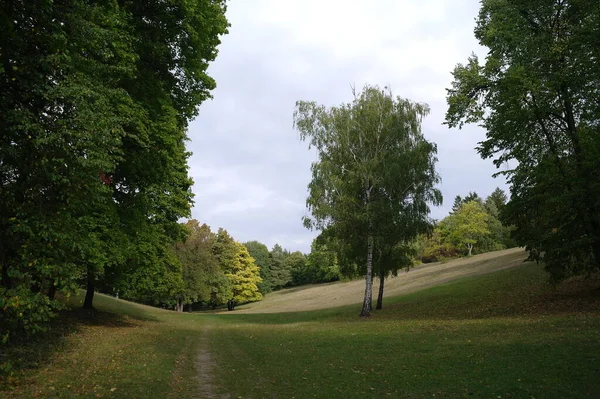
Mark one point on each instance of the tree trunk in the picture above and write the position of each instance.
(381, 282)
(366, 309)
(4, 279)
(89, 295)
(470, 246)
(51, 291)
(179, 306)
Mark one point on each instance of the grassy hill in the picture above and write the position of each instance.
(324, 296)
(502, 334)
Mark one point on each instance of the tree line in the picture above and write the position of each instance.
(473, 226)
(216, 269)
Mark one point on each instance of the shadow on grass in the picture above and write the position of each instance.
(23, 355)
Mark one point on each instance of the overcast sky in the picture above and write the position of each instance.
(249, 166)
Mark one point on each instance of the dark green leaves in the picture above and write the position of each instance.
(536, 95)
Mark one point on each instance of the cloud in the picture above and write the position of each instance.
(249, 166)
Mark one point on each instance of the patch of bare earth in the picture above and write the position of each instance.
(205, 370)
(332, 295)
(204, 386)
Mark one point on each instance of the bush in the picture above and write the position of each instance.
(24, 313)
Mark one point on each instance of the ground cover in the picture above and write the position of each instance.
(504, 334)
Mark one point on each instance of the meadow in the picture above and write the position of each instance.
(502, 334)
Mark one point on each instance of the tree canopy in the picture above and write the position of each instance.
(375, 174)
(96, 98)
(536, 95)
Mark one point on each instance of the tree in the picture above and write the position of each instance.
(536, 96)
(499, 199)
(320, 266)
(225, 250)
(244, 275)
(281, 275)
(200, 267)
(435, 246)
(468, 226)
(458, 200)
(296, 264)
(95, 99)
(375, 174)
(262, 258)
(391, 261)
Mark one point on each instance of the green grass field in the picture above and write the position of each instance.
(504, 334)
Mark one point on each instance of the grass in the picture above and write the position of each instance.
(121, 350)
(504, 334)
(324, 296)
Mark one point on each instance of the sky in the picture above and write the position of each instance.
(250, 168)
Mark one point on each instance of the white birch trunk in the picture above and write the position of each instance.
(366, 309)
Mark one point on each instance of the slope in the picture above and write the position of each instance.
(332, 295)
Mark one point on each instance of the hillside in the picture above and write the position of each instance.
(477, 327)
(324, 296)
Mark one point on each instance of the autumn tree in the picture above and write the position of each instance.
(374, 176)
(244, 275)
(536, 95)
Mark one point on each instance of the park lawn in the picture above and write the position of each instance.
(121, 350)
(501, 335)
(505, 334)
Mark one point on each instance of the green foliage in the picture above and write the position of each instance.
(200, 267)
(262, 258)
(281, 274)
(95, 100)
(498, 200)
(375, 175)
(479, 222)
(467, 226)
(435, 247)
(24, 313)
(536, 95)
(244, 275)
(458, 200)
(320, 266)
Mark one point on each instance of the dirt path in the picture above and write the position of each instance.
(207, 388)
(339, 294)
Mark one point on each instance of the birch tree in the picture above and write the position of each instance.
(375, 173)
